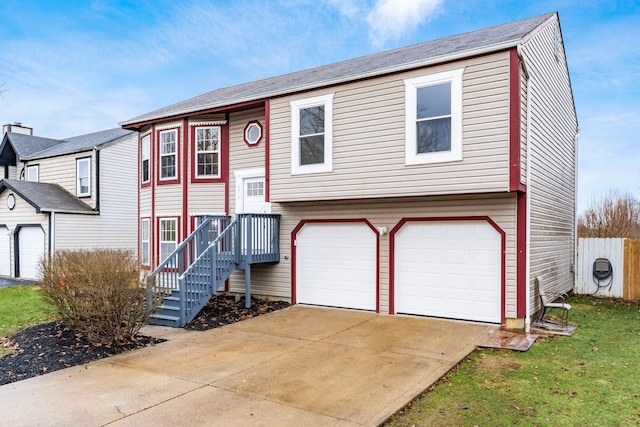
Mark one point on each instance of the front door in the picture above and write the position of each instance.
(253, 196)
(250, 198)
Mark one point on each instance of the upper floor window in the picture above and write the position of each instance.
(208, 152)
(144, 241)
(83, 177)
(145, 155)
(312, 135)
(434, 118)
(168, 154)
(33, 173)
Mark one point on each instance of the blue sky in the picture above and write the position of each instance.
(75, 67)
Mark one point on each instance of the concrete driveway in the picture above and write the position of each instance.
(302, 366)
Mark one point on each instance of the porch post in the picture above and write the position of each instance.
(247, 286)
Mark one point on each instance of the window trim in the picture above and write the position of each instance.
(146, 221)
(197, 176)
(176, 221)
(249, 125)
(35, 167)
(327, 166)
(145, 140)
(454, 77)
(176, 178)
(80, 160)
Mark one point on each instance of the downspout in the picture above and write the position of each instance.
(52, 233)
(575, 209)
(97, 157)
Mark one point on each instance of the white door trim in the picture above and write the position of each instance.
(240, 176)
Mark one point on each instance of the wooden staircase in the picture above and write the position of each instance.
(185, 281)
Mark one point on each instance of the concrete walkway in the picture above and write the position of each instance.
(302, 366)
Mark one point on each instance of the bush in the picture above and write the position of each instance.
(97, 293)
(614, 215)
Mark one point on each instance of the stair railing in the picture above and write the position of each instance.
(207, 273)
(164, 278)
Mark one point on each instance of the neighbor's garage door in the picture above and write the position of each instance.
(336, 265)
(5, 258)
(31, 250)
(448, 269)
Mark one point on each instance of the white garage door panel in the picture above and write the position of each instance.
(448, 269)
(31, 247)
(5, 254)
(336, 265)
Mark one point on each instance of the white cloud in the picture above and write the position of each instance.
(349, 8)
(390, 19)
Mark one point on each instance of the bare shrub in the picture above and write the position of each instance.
(97, 293)
(612, 216)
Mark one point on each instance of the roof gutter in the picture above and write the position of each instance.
(131, 124)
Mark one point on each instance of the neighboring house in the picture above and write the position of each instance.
(75, 193)
(436, 179)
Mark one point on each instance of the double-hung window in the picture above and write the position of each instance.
(33, 172)
(434, 118)
(312, 135)
(168, 154)
(144, 241)
(145, 156)
(83, 177)
(168, 237)
(208, 152)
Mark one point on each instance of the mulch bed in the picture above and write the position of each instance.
(224, 310)
(51, 346)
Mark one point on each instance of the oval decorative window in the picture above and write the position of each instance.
(253, 133)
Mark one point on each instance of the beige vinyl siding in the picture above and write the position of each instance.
(242, 156)
(275, 280)
(61, 170)
(552, 152)
(22, 214)
(206, 198)
(145, 202)
(168, 199)
(117, 224)
(369, 139)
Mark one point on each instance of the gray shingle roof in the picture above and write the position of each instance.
(46, 197)
(26, 145)
(80, 143)
(431, 52)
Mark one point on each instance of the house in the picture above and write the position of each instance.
(437, 179)
(74, 193)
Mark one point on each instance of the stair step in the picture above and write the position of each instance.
(164, 320)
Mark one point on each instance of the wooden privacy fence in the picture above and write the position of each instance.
(624, 255)
(631, 290)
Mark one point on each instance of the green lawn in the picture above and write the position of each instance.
(21, 307)
(589, 379)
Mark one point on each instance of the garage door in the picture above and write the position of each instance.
(5, 258)
(448, 269)
(31, 248)
(336, 265)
